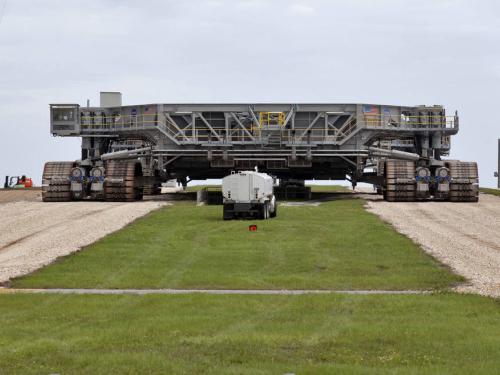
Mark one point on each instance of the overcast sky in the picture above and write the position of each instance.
(388, 52)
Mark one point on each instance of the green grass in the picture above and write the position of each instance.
(200, 187)
(490, 191)
(337, 245)
(200, 334)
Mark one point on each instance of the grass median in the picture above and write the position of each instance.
(490, 191)
(200, 334)
(336, 245)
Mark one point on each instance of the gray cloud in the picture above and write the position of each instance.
(388, 51)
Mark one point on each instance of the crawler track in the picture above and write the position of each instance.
(123, 181)
(56, 184)
(400, 181)
(464, 181)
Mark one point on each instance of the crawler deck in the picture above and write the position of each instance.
(293, 142)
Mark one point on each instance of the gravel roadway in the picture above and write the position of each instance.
(33, 234)
(464, 236)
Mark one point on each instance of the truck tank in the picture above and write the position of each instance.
(248, 194)
(130, 150)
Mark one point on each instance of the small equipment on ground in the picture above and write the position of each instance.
(17, 182)
(248, 194)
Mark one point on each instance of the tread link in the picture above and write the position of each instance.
(464, 181)
(400, 181)
(122, 181)
(55, 181)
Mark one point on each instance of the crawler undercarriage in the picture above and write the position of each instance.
(119, 180)
(129, 151)
(455, 181)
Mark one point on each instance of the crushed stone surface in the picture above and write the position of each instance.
(463, 236)
(33, 233)
(14, 195)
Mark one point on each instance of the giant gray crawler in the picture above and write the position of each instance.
(128, 151)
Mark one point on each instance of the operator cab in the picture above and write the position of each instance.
(64, 119)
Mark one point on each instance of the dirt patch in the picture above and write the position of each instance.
(464, 236)
(34, 234)
(16, 195)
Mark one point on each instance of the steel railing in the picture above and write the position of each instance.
(117, 123)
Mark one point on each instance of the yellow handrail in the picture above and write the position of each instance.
(271, 118)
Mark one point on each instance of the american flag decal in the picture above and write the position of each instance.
(370, 109)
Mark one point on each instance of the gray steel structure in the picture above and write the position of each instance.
(289, 141)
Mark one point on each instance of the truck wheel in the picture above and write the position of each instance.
(262, 212)
(275, 212)
(226, 215)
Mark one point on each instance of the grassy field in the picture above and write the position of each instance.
(200, 187)
(200, 334)
(490, 191)
(336, 245)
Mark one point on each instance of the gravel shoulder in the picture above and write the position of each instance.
(34, 234)
(463, 236)
(16, 195)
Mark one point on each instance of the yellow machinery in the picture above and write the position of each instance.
(271, 118)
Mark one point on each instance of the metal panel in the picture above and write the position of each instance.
(110, 99)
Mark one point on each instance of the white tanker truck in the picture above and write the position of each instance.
(248, 194)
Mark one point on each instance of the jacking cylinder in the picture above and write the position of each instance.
(442, 178)
(78, 180)
(96, 179)
(423, 178)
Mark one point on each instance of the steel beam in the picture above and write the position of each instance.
(252, 113)
(242, 126)
(349, 161)
(209, 126)
(289, 115)
(174, 124)
(312, 123)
